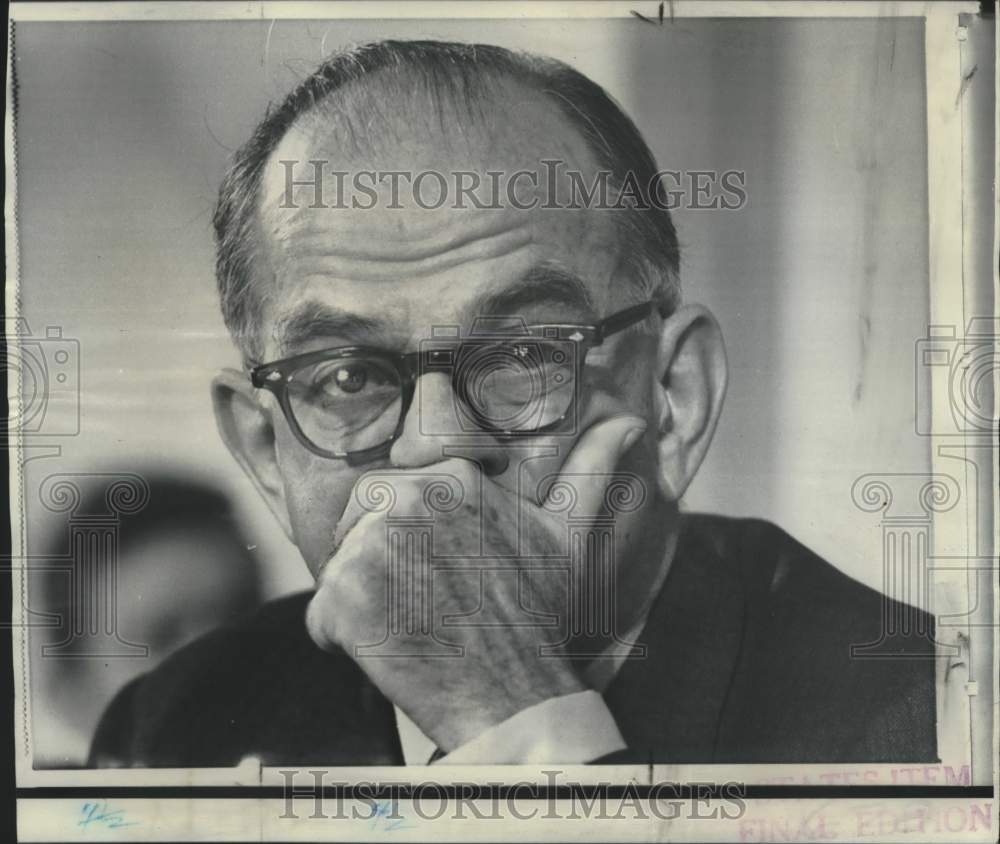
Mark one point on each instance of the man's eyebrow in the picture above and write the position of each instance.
(544, 284)
(312, 320)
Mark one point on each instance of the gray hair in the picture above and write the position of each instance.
(462, 72)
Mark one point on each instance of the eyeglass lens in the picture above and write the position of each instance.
(349, 404)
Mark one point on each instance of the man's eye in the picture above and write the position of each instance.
(340, 380)
(348, 379)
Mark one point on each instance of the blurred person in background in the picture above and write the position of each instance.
(183, 570)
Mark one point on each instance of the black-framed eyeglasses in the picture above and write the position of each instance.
(350, 402)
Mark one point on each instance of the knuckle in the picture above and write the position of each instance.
(320, 622)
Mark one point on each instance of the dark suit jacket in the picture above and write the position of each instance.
(749, 660)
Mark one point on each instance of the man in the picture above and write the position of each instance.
(167, 597)
(475, 413)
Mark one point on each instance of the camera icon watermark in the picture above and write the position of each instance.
(506, 378)
(971, 363)
(47, 369)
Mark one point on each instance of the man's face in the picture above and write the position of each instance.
(386, 277)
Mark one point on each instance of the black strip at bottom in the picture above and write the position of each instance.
(383, 790)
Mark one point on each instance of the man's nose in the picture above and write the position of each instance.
(434, 430)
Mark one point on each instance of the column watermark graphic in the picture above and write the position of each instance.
(87, 573)
(906, 504)
(955, 375)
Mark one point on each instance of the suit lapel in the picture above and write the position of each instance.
(668, 704)
(329, 712)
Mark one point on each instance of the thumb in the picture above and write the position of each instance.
(594, 457)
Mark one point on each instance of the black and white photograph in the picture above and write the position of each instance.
(491, 421)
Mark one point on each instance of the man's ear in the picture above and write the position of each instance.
(247, 429)
(689, 394)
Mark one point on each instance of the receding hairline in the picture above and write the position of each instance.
(324, 128)
(459, 76)
(307, 139)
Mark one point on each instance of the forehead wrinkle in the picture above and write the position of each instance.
(317, 259)
(415, 235)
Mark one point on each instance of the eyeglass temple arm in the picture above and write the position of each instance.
(625, 319)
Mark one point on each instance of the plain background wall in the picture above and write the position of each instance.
(820, 282)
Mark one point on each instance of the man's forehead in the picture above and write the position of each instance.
(407, 256)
